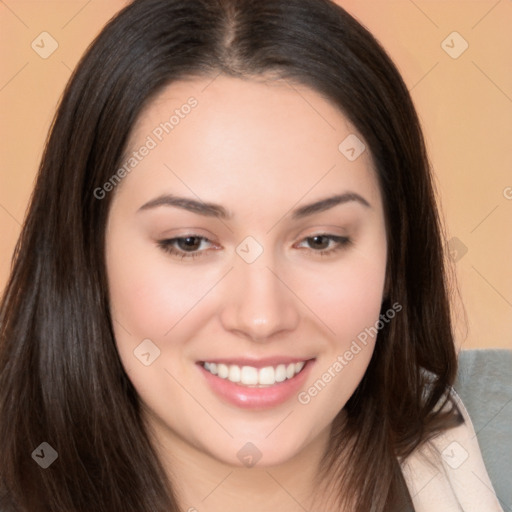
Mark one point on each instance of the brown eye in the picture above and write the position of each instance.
(190, 243)
(184, 247)
(324, 244)
(320, 242)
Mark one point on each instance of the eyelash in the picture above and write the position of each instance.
(168, 245)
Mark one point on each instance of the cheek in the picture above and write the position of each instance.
(355, 304)
(152, 299)
(348, 298)
(150, 295)
(349, 305)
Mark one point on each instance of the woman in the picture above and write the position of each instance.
(229, 287)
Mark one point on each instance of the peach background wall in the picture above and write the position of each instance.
(460, 82)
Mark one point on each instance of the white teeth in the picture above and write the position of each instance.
(222, 371)
(281, 373)
(251, 376)
(234, 373)
(211, 367)
(266, 376)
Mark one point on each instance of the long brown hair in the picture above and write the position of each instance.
(61, 379)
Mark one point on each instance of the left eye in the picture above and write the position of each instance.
(185, 247)
(324, 243)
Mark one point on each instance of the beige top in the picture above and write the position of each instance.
(454, 478)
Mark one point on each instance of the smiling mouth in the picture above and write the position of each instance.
(250, 376)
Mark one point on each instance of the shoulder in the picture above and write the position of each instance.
(484, 385)
(448, 473)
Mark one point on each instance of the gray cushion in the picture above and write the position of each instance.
(484, 383)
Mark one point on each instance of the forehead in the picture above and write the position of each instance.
(269, 138)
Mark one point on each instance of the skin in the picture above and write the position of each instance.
(260, 149)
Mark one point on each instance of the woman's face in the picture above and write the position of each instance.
(246, 256)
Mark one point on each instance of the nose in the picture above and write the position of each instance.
(259, 304)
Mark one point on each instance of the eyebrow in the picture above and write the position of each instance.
(200, 207)
(328, 203)
(219, 212)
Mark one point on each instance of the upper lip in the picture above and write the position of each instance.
(256, 363)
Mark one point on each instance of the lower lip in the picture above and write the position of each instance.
(254, 397)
